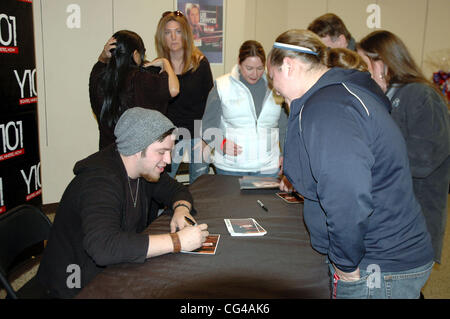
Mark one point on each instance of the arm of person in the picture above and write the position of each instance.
(105, 55)
(175, 195)
(211, 132)
(164, 64)
(344, 179)
(428, 129)
(190, 238)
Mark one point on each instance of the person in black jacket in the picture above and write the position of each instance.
(421, 113)
(104, 210)
(174, 42)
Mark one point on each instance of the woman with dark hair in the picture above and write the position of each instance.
(122, 79)
(347, 157)
(251, 124)
(174, 42)
(421, 112)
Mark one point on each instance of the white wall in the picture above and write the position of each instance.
(67, 129)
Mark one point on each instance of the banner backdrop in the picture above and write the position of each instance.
(19, 144)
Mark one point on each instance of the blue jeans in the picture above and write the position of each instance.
(234, 173)
(382, 285)
(197, 166)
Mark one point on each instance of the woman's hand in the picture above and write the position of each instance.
(158, 62)
(285, 185)
(164, 64)
(106, 53)
(230, 148)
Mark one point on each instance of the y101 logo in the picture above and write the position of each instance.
(11, 137)
(28, 79)
(8, 34)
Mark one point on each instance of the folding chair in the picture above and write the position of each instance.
(23, 230)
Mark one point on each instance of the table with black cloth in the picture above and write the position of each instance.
(278, 265)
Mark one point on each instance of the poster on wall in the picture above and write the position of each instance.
(206, 20)
(19, 145)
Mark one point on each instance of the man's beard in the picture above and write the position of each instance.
(150, 178)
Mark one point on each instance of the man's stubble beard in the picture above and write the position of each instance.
(150, 178)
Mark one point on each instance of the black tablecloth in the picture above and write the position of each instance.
(280, 264)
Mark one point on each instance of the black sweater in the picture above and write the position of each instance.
(96, 224)
(190, 104)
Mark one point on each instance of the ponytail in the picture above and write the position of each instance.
(343, 58)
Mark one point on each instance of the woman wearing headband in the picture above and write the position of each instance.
(347, 157)
(244, 118)
(122, 79)
(421, 112)
(173, 40)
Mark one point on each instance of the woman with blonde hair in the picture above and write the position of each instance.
(421, 112)
(347, 157)
(174, 41)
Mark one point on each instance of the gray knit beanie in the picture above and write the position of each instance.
(137, 128)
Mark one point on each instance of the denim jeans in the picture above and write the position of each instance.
(235, 173)
(382, 285)
(197, 166)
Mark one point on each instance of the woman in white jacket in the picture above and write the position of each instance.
(242, 120)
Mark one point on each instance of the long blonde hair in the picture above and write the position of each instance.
(192, 55)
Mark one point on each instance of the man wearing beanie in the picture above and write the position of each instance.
(106, 207)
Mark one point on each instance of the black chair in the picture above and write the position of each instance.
(23, 230)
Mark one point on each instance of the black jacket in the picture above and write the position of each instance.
(347, 157)
(96, 224)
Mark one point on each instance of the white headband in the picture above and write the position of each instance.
(292, 47)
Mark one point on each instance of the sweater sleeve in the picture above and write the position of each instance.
(101, 202)
(341, 162)
(428, 129)
(94, 91)
(211, 118)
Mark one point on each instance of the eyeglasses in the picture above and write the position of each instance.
(177, 13)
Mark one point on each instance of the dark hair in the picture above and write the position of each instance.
(329, 24)
(119, 67)
(252, 48)
(329, 57)
(387, 47)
